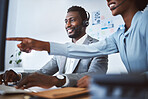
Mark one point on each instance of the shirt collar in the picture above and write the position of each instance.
(81, 40)
(133, 23)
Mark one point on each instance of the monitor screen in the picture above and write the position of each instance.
(3, 27)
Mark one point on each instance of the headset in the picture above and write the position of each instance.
(119, 4)
(86, 21)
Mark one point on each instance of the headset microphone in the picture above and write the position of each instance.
(119, 5)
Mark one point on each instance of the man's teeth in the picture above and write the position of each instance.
(69, 31)
(111, 5)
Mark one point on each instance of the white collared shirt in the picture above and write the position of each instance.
(69, 67)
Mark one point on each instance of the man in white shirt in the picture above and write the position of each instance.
(69, 70)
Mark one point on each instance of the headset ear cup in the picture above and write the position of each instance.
(85, 23)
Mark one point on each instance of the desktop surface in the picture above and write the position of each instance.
(25, 96)
(8, 92)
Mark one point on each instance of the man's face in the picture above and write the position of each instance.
(73, 24)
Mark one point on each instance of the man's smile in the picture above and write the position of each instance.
(70, 30)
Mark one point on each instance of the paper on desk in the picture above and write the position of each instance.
(12, 90)
(39, 89)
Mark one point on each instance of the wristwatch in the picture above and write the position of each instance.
(61, 80)
(60, 77)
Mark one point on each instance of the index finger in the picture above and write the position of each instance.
(15, 38)
(23, 82)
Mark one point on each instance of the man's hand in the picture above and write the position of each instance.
(37, 79)
(84, 82)
(28, 44)
(9, 76)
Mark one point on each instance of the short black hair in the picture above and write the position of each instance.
(141, 4)
(82, 12)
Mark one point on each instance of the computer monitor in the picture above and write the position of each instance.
(115, 86)
(3, 27)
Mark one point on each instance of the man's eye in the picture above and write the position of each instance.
(72, 20)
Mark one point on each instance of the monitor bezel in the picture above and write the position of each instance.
(4, 4)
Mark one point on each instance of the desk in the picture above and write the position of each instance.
(24, 96)
(65, 93)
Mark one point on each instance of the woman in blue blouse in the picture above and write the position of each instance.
(131, 41)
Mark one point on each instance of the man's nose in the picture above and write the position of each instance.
(68, 24)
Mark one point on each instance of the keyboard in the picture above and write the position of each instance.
(11, 90)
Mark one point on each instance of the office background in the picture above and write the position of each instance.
(44, 20)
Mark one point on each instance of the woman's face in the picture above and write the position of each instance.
(119, 6)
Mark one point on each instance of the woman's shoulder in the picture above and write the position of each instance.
(145, 15)
(143, 23)
(143, 18)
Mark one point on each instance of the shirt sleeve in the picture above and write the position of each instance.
(50, 68)
(146, 32)
(104, 47)
(147, 39)
(144, 29)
